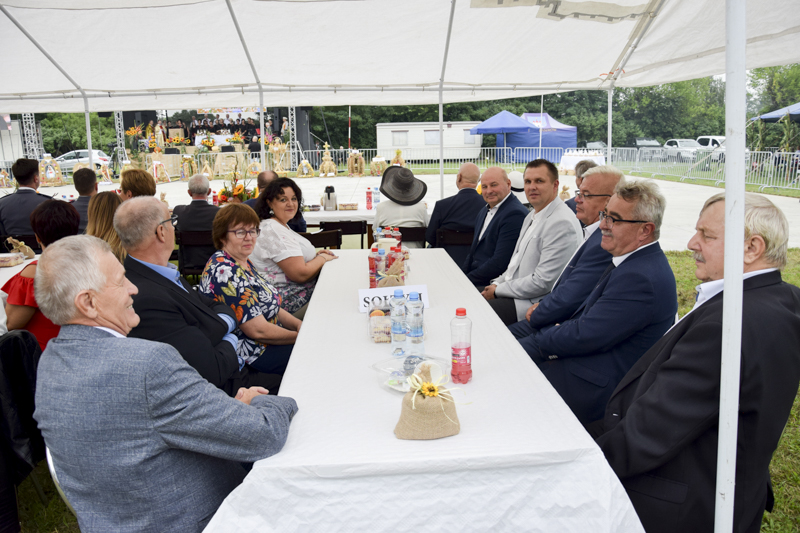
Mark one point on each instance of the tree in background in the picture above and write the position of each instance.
(774, 88)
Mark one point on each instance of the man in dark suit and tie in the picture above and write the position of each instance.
(458, 212)
(660, 429)
(496, 229)
(139, 441)
(16, 208)
(584, 269)
(633, 304)
(197, 216)
(170, 310)
(85, 181)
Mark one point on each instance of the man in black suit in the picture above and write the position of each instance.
(197, 216)
(85, 181)
(458, 212)
(496, 229)
(170, 310)
(16, 208)
(584, 269)
(660, 428)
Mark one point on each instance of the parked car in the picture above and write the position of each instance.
(644, 142)
(648, 148)
(681, 149)
(596, 145)
(715, 143)
(70, 159)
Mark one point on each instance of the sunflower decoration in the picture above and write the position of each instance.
(134, 131)
(429, 389)
(236, 190)
(236, 139)
(208, 142)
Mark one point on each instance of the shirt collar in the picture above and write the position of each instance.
(709, 289)
(549, 207)
(109, 330)
(495, 208)
(618, 260)
(170, 271)
(21, 188)
(588, 230)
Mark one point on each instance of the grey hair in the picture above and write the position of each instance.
(650, 203)
(67, 267)
(198, 184)
(602, 169)
(136, 220)
(582, 166)
(762, 217)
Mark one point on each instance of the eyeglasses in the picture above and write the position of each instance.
(584, 196)
(242, 233)
(613, 220)
(173, 219)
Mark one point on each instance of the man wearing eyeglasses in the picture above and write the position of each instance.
(170, 311)
(632, 305)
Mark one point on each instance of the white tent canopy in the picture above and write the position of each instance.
(186, 54)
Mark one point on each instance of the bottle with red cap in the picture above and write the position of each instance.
(369, 199)
(461, 343)
(373, 267)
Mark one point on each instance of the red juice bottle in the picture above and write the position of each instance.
(461, 342)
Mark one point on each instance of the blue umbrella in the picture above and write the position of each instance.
(503, 122)
(774, 116)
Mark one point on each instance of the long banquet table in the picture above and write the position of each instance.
(522, 462)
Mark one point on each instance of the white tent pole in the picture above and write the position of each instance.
(608, 148)
(441, 99)
(735, 114)
(88, 132)
(255, 75)
(541, 120)
(349, 125)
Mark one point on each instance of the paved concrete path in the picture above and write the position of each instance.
(684, 200)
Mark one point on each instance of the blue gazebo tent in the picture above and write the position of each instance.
(554, 135)
(774, 116)
(501, 123)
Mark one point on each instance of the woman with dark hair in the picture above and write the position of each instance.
(266, 332)
(51, 220)
(287, 260)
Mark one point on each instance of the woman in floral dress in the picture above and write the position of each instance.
(287, 260)
(266, 332)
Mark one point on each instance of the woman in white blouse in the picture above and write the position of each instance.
(287, 260)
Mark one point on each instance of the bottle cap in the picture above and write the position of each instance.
(461, 312)
(414, 296)
(398, 293)
(381, 252)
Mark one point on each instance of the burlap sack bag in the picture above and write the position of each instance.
(427, 417)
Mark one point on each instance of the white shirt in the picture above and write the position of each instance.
(709, 289)
(490, 216)
(389, 213)
(109, 330)
(512, 265)
(276, 243)
(618, 260)
(21, 188)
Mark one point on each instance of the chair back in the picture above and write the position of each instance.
(413, 234)
(348, 227)
(455, 243)
(193, 246)
(325, 239)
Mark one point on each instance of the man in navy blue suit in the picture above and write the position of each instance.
(496, 229)
(584, 269)
(458, 212)
(632, 306)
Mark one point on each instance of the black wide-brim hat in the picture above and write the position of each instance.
(399, 185)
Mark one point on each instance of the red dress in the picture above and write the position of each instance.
(20, 292)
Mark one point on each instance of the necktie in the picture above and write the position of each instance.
(611, 266)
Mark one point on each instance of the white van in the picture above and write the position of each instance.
(715, 143)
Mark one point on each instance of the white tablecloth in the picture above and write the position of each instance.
(315, 217)
(570, 159)
(219, 140)
(522, 461)
(6, 273)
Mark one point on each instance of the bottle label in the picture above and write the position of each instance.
(462, 356)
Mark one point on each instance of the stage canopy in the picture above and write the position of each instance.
(188, 54)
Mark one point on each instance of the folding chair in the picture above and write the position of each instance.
(348, 227)
(325, 239)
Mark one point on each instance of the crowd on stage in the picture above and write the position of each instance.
(173, 385)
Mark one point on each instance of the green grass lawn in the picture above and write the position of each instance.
(785, 467)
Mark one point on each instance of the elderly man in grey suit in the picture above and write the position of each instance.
(139, 441)
(549, 236)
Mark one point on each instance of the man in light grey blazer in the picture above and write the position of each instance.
(139, 441)
(549, 236)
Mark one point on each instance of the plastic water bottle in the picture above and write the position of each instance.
(416, 327)
(461, 343)
(397, 235)
(378, 234)
(373, 270)
(380, 266)
(376, 196)
(399, 326)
